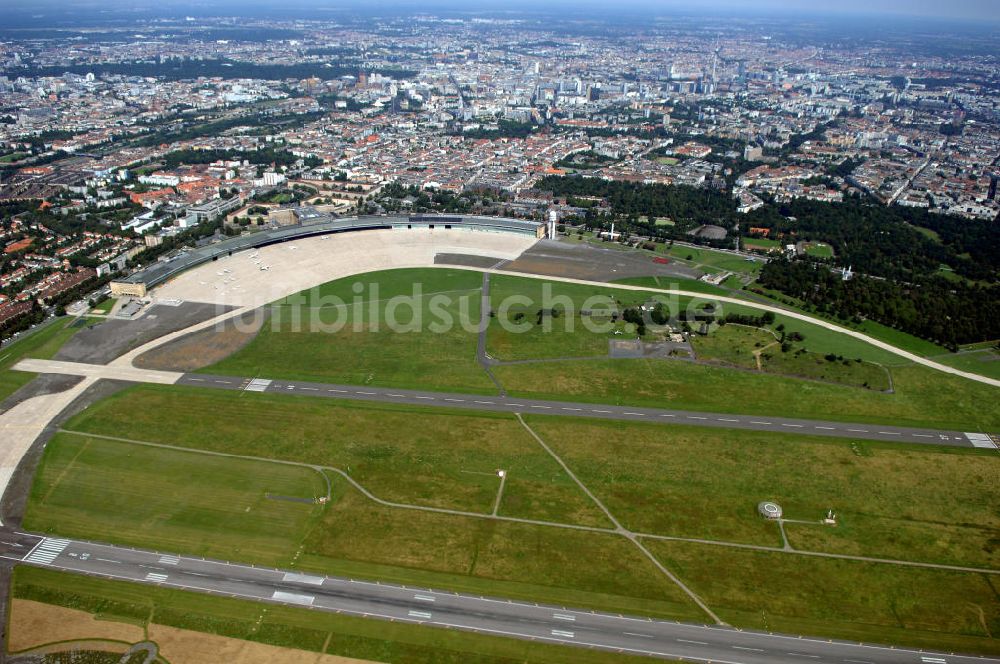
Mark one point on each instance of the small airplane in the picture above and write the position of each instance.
(265, 268)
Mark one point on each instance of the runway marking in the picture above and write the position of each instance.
(564, 633)
(516, 405)
(303, 578)
(257, 385)
(700, 643)
(796, 426)
(645, 636)
(156, 577)
(827, 428)
(724, 419)
(293, 598)
(600, 411)
(859, 430)
(889, 433)
(224, 382)
(696, 417)
(981, 440)
(455, 400)
(46, 551)
(920, 435)
(360, 392)
(668, 416)
(197, 380)
(424, 598)
(545, 407)
(416, 397)
(567, 408)
(750, 649)
(398, 396)
(424, 615)
(563, 616)
(108, 560)
(486, 402)
(638, 414)
(169, 560)
(859, 661)
(934, 660)
(311, 389)
(800, 654)
(758, 422)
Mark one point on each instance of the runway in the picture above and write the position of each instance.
(487, 615)
(590, 410)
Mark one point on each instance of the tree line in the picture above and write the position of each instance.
(935, 309)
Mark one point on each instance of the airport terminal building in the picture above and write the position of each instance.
(139, 283)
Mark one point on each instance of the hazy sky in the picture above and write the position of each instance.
(977, 10)
(959, 9)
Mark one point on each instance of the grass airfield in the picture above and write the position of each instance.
(412, 495)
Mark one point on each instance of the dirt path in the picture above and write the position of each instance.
(757, 354)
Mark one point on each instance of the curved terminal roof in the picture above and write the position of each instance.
(324, 225)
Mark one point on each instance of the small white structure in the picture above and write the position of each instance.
(769, 510)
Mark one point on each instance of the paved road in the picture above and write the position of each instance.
(630, 413)
(556, 624)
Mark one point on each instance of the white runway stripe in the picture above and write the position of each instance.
(257, 385)
(46, 551)
(981, 440)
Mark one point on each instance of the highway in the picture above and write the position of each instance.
(571, 409)
(556, 624)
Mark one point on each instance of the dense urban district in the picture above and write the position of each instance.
(724, 386)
